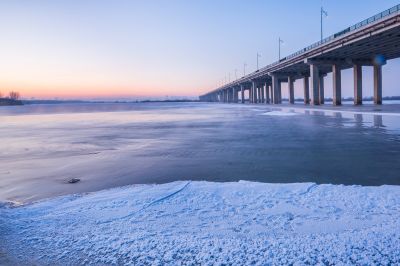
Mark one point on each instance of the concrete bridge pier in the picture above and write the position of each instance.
(337, 85)
(306, 87)
(242, 93)
(321, 89)
(357, 71)
(276, 88)
(267, 97)
(378, 84)
(236, 95)
(251, 94)
(291, 89)
(251, 90)
(315, 79)
(271, 94)
(254, 92)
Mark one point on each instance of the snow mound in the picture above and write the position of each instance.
(207, 223)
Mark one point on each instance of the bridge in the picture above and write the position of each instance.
(368, 43)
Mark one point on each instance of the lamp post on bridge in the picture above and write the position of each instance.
(244, 69)
(258, 56)
(323, 13)
(280, 42)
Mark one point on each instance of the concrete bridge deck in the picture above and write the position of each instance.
(369, 43)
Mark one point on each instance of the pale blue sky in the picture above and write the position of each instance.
(114, 48)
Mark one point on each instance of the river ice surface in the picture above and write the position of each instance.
(111, 145)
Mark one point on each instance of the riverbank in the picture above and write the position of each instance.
(208, 223)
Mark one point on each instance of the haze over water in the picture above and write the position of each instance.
(109, 145)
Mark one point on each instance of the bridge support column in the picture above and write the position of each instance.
(357, 71)
(267, 99)
(258, 93)
(262, 92)
(306, 86)
(253, 92)
(377, 84)
(236, 95)
(271, 94)
(337, 85)
(256, 96)
(291, 89)
(314, 72)
(276, 87)
(321, 90)
(242, 93)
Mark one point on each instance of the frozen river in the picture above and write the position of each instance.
(110, 145)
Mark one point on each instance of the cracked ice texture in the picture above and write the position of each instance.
(204, 222)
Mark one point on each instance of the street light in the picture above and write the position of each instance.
(323, 13)
(244, 69)
(280, 42)
(258, 56)
(235, 73)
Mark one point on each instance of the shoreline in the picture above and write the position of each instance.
(10, 102)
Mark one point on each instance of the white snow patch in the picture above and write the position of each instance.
(207, 223)
(279, 113)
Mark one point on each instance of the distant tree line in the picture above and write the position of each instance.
(13, 95)
(13, 98)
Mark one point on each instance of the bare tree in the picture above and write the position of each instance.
(13, 95)
(1, 95)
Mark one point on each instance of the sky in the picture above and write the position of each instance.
(117, 49)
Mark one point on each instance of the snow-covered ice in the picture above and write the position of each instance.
(208, 223)
(279, 113)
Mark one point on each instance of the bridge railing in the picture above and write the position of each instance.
(367, 21)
